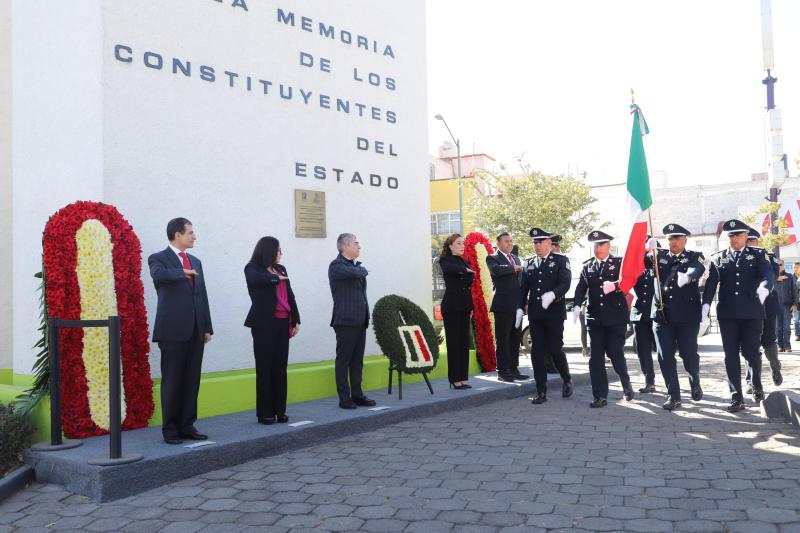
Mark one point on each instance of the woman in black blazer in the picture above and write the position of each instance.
(273, 319)
(456, 309)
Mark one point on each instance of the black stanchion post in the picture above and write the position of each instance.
(114, 393)
(54, 347)
(115, 456)
(54, 355)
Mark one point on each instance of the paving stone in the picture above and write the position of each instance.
(773, 515)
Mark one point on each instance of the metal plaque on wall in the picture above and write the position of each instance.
(309, 214)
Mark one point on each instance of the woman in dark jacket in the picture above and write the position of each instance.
(456, 309)
(273, 319)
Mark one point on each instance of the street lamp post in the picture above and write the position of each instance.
(458, 157)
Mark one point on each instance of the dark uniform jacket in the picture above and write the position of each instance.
(457, 285)
(552, 275)
(681, 304)
(640, 310)
(506, 283)
(771, 303)
(604, 309)
(348, 281)
(262, 287)
(737, 282)
(181, 307)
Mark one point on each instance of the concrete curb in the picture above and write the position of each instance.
(238, 439)
(16, 480)
(784, 404)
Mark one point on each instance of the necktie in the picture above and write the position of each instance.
(510, 260)
(736, 255)
(187, 266)
(538, 262)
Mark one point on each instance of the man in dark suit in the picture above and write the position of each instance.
(745, 278)
(348, 281)
(676, 311)
(182, 328)
(606, 317)
(505, 270)
(545, 281)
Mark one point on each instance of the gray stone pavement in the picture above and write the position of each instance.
(504, 466)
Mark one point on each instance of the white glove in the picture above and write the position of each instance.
(575, 312)
(683, 279)
(651, 244)
(519, 319)
(704, 314)
(762, 293)
(609, 286)
(547, 299)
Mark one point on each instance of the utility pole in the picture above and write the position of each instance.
(777, 164)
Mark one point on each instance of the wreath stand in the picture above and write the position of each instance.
(392, 368)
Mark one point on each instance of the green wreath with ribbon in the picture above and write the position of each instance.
(405, 334)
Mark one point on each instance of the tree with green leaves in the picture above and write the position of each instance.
(560, 204)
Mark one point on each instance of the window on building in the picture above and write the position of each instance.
(445, 223)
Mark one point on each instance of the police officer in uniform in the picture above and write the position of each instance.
(545, 281)
(744, 278)
(606, 317)
(676, 311)
(769, 340)
(643, 326)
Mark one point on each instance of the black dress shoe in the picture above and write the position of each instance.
(671, 404)
(598, 402)
(194, 436)
(173, 440)
(268, 421)
(628, 389)
(777, 378)
(648, 389)
(521, 377)
(758, 395)
(363, 401)
(735, 405)
(505, 377)
(540, 399)
(347, 404)
(282, 419)
(566, 389)
(697, 393)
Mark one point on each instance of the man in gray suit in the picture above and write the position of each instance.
(348, 281)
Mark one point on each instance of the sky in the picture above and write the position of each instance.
(550, 81)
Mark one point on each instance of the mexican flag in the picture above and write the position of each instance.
(639, 201)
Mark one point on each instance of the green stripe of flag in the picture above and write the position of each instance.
(638, 177)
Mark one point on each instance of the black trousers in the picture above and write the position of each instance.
(743, 335)
(350, 341)
(271, 352)
(547, 337)
(769, 341)
(645, 342)
(506, 335)
(606, 340)
(456, 335)
(684, 337)
(181, 363)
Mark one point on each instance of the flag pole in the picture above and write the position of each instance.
(655, 250)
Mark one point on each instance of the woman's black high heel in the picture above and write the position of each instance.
(460, 387)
